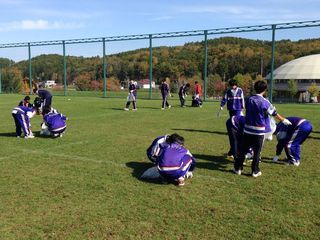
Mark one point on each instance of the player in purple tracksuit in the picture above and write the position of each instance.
(154, 149)
(234, 99)
(55, 122)
(45, 96)
(21, 116)
(235, 125)
(257, 110)
(291, 137)
(132, 96)
(165, 92)
(175, 162)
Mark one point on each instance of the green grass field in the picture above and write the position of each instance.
(86, 185)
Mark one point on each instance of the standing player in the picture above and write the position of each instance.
(257, 110)
(291, 137)
(235, 125)
(45, 96)
(21, 116)
(197, 90)
(165, 92)
(132, 96)
(234, 99)
(183, 93)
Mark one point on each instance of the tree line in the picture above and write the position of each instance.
(228, 57)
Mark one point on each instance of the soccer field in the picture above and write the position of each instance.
(86, 184)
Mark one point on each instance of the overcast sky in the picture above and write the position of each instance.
(39, 20)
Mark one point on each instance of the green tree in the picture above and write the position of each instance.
(212, 82)
(314, 90)
(11, 77)
(292, 87)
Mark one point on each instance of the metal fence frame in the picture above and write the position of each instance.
(150, 37)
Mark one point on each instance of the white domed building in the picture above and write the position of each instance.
(304, 70)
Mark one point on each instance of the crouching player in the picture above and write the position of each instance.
(291, 137)
(173, 161)
(21, 116)
(153, 151)
(54, 123)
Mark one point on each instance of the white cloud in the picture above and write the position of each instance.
(37, 25)
(222, 9)
(162, 18)
(259, 13)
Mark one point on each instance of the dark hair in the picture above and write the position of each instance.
(175, 138)
(27, 98)
(46, 110)
(188, 85)
(260, 86)
(233, 82)
(35, 90)
(196, 82)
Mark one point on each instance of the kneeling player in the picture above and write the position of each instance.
(54, 123)
(291, 137)
(173, 161)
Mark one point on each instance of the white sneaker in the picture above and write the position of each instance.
(162, 108)
(180, 181)
(29, 136)
(256, 174)
(135, 109)
(248, 156)
(230, 157)
(275, 159)
(126, 109)
(169, 106)
(238, 172)
(189, 175)
(294, 163)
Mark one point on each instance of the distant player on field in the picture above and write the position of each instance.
(132, 96)
(234, 99)
(165, 92)
(183, 93)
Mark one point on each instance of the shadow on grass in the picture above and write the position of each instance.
(122, 109)
(8, 134)
(139, 168)
(217, 163)
(314, 137)
(13, 134)
(199, 130)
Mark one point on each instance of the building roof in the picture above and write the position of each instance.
(307, 67)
